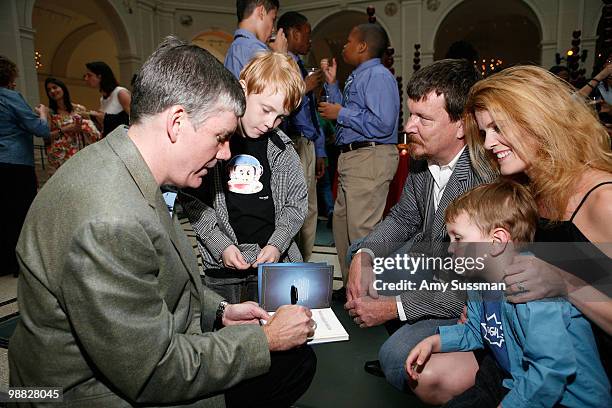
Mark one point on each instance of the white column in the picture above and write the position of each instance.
(10, 46)
(411, 34)
(146, 27)
(549, 49)
(129, 64)
(165, 22)
(28, 66)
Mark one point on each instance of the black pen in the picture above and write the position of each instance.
(294, 295)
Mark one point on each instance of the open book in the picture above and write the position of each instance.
(306, 284)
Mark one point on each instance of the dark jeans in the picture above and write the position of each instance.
(18, 184)
(233, 285)
(395, 350)
(487, 390)
(290, 375)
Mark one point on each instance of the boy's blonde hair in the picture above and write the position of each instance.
(277, 72)
(502, 204)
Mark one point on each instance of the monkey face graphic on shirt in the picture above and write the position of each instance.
(244, 173)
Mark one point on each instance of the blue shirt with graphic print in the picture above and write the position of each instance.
(492, 328)
(550, 347)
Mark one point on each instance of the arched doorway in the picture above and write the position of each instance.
(329, 36)
(507, 31)
(69, 34)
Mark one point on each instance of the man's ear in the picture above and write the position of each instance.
(175, 122)
(501, 238)
(460, 129)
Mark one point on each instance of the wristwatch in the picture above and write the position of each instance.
(219, 314)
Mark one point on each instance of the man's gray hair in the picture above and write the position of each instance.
(179, 73)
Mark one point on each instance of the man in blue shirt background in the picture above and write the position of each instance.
(367, 114)
(255, 25)
(302, 126)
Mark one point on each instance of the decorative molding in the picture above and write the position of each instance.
(318, 5)
(202, 7)
(166, 11)
(433, 5)
(186, 20)
(391, 9)
(127, 5)
(27, 33)
(55, 16)
(24, 10)
(148, 3)
(321, 19)
(146, 7)
(341, 5)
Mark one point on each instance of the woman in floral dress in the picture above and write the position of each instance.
(71, 130)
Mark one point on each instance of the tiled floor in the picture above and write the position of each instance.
(8, 292)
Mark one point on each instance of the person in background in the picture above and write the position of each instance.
(114, 101)
(598, 90)
(302, 126)
(367, 115)
(70, 128)
(256, 201)
(254, 34)
(560, 71)
(600, 86)
(17, 176)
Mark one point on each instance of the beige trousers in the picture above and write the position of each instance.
(364, 176)
(306, 237)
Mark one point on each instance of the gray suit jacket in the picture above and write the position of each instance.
(112, 305)
(405, 222)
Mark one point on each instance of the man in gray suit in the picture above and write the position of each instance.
(441, 171)
(112, 306)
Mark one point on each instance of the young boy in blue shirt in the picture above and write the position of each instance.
(367, 114)
(545, 348)
(255, 25)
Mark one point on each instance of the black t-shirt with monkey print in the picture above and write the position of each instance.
(248, 194)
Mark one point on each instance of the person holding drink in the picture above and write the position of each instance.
(366, 133)
(302, 126)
